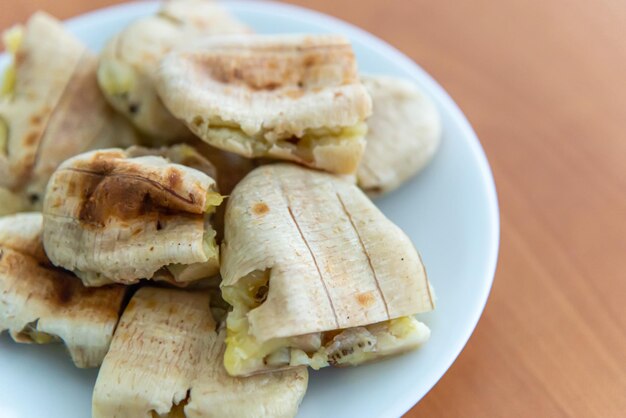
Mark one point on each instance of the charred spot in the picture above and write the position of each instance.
(365, 299)
(32, 138)
(133, 108)
(33, 198)
(64, 289)
(158, 225)
(260, 208)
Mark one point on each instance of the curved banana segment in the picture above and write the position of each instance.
(41, 304)
(289, 97)
(52, 108)
(403, 134)
(129, 60)
(166, 361)
(307, 256)
(112, 218)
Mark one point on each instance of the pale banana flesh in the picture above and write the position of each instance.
(128, 61)
(286, 97)
(307, 257)
(41, 304)
(50, 107)
(110, 217)
(403, 134)
(166, 361)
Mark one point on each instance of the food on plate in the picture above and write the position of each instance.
(130, 59)
(41, 304)
(110, 217)
(403, 133)
(288, 97)
(316, 275)
(166, 361)
(50, 107)
(11, 202)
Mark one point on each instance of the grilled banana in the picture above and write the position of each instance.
(166, 361)
(289, 97)
(51, 107)
(41, 304)
(315, 274)
(403, 134)
(129, 60)
(112, 218)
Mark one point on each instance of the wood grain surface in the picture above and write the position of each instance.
(544, 85)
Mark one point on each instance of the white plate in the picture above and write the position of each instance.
(450, 211)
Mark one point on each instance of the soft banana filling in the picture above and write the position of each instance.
(301, 144)
(352, 346)
(115, 77)
(31, 333)
(12, 39)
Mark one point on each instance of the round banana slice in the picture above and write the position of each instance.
(289, 97)
(315, 272)
(166, 361)
(109, 217)
(41, 304)
(129, 60)
(51, 107)
(403, 134)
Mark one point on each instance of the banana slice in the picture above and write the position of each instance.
(289, 97)
(41, 304)
(166, 361)
(129, 60)
(51, 108)
(316, 275)
(403, 134)
(112, 218)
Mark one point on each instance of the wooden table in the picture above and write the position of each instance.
(544, 85)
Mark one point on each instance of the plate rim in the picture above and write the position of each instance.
(403, 403)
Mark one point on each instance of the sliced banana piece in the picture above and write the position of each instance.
(166, 361)
(41, 304)
(307, 259)
(129, 60)
(52, 108)
(403, 134)
(289, 97)
(112, 218)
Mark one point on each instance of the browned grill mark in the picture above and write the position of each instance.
(369, 260)
(319, 272)
(260, 208)
(365, 299)
(126, 196)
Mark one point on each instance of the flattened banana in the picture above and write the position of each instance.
(129, 60)
(316, 275)
(51, 107)
(403, 134)
(41, 304)
(112, 218)
(166, 361)
(289, 97)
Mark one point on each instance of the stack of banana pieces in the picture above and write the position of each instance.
(189, 210)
